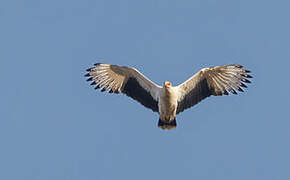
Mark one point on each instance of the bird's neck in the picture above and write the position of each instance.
(168, 91)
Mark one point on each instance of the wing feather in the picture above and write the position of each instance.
(216, 81)
(129, 81)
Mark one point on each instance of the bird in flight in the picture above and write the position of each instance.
(169, 100)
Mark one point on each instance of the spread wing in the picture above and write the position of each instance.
(129, 81)
(217, 81)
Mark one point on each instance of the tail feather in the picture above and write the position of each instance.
(167, 125)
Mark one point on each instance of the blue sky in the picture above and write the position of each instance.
(55, 126)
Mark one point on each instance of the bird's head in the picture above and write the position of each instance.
(167, 84)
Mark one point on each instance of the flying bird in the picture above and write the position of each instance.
(168, 100)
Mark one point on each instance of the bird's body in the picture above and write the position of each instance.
(167, 103)
(169, 100)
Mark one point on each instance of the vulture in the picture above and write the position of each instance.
(168, 100)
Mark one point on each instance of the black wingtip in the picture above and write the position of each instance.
(93, 83)
(90, 79)
(87, 75)
(246, 81)
(89, 69)
(247, 76)
(240, 89)
(243, 85)
(97, 87)
(103, 90)
(233, 91)
(239, 66)
(97, 64)
(247, 71)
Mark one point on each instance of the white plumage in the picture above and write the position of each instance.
(169, 100)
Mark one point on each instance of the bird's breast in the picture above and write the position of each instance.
(167, 104)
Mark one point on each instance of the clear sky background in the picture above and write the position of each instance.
(53, 125)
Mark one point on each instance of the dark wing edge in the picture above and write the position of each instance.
(133, 89)
(200, 92)
(116, 79)
(216, 81)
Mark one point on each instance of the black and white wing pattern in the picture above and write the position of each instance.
(127, 80)
(217, 81)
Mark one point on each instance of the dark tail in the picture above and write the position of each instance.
(167, 125)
